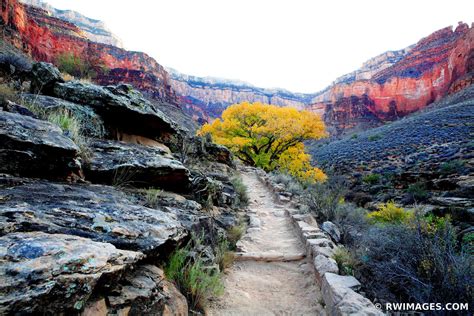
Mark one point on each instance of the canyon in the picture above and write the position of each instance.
(386, 87)
(95, 30)
(45, 37)
(110, 200)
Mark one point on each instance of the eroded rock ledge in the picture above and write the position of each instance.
(86, 226)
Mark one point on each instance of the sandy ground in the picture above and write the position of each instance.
(268, 288)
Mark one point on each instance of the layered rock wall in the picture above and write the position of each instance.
(45, 37)
(436, 66)
(213, 96)
(95, 30)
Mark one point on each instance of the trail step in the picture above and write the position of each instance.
(268, 257)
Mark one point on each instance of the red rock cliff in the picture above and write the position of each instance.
(44, 37)
(439, 64)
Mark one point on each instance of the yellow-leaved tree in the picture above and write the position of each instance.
(270, 137)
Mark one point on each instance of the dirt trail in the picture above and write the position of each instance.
(268, 288)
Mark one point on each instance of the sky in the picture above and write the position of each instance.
(298, 45)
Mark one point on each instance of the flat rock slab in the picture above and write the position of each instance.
(33, 147)
(97, 212)
(61, 270)
(120, 106)
(120, 163)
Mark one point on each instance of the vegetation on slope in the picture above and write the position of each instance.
(398, 254)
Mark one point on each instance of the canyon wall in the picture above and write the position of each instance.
(95, 30)
(213, 95)
(386, 87)
(45, 37)
(437, 65)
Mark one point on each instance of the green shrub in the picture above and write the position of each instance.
(35, 108)
(373, 138)
(196, 281)
(75, 65)
(390, 213)
(72, 128)
(124, 177)
(345, 261)
(8, 93)
(418, 191)
(66, 122)
(241, 191)
(224, 256)
(450, 167)
(354, 136)
(324, 198)
(295, 188)
(234, 234)
(152, 196)
(282, 178)
(408, 263)
(371, 179)
(468, 243)
(352, 221)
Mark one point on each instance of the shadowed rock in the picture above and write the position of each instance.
(97, 212)
(145, 291)
(43, 78)
(120, 106)
(33, 147)
(136, 165)
(61, 270)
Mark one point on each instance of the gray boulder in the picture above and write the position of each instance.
(97, 212)
(119, 163)
(62, 270)
(145, 291)
(121, 107)
(324, 265)
(35, 148)
(332, 230)
(43, 78)
(341, 299)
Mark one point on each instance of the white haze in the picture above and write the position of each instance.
(299, 45)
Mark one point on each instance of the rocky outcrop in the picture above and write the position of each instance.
(99, 213)
(44, 76)
(141, 166)
(145, 291)
(95, 30)
(64, 269)
(120, 107)
(71, 247)
(426, 72)
(373, 66)
(32, 147)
